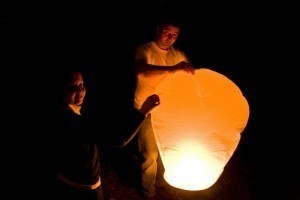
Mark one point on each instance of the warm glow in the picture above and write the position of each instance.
(189, 169)
(197, 126)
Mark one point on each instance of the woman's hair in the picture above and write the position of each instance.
(67, 71)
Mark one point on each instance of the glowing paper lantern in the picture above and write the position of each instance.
(197, 126)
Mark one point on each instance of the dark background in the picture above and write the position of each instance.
(249, 42)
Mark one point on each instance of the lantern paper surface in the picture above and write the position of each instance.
(197, 126)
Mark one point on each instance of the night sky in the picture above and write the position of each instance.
(246, 41)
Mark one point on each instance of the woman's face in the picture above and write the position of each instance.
(75, 90)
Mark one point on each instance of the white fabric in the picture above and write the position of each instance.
(200, 119)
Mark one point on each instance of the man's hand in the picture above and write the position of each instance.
(185, 66)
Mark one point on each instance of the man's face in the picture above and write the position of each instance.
(75, 91)
(168, 35)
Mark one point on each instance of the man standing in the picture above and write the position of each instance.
(154, 62)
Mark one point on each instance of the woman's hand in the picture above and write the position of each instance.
(151, 102)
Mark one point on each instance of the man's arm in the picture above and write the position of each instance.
(147, 70)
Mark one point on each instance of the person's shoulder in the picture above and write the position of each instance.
(178, 53)
(145, 46)
(67, 119)
(177, 50)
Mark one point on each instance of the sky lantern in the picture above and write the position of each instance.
(198, 126)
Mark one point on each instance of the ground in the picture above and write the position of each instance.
(120, 179)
